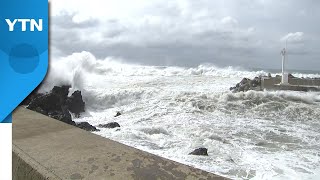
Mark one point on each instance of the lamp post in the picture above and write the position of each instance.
(284, 79)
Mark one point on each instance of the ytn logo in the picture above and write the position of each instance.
(33, 24)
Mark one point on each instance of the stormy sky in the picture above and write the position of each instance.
(242, 33)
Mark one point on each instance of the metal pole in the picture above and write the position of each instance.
(284, 79)
(284, 58)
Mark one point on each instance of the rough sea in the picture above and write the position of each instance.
(170, 111)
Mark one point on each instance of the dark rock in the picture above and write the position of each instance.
(29, 98)
(66, 116)
(75, 103)
(109, 125)
(247, 84)
(244, 81)
(53, 104)
(118, 114)
(200, 152)
(51, 101)
(58, 105)
(230, 160)
(290, 75)
(86, 126)
(255, 82)
(41, 111)
(61, 91)
(63, 115)
(47, 102)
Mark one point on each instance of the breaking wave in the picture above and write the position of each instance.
(68, 70)
(169, 111)
(75, 68)
(252, 104)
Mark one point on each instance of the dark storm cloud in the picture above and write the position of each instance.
(238, 33)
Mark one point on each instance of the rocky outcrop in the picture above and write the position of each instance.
(63, 115)
(200, 152)
(86, 126)
(109, 125)
(247, 84)
(52, 104)
(75, 103)
(52, 101)
(28, 99)
(58, 105)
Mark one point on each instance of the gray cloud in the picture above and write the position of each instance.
(187, 33)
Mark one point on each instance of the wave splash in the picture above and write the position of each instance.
(172, 110)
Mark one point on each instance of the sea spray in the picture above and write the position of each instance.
(170, 111)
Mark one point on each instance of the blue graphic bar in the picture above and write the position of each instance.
(8, 119)
(23, 51)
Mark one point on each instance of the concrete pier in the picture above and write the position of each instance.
(45, 148)
(295, 84)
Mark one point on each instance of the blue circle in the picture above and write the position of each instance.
(24, 58)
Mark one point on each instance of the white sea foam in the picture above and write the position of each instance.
(169, 111)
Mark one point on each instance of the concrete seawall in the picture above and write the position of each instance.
(295, 84)
(44, 148)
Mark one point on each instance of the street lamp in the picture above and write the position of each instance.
(284, 80)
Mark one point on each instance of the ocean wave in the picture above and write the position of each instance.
(170, 111)
(67, 70)
(257, 104)
(104, 99)
(64, 70)
(110, 82)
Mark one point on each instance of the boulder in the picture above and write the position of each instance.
(247, 84)
(109, 125)
(58, 105)
(200, 152)
(47, 102)
(52, 104)
(86, 126)
(63, 115)
(244, 81)
(255, 82)
(51, 101)
(61, 91)
(118, 114)
(29, 98)
(75, 103)
(41, 111)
